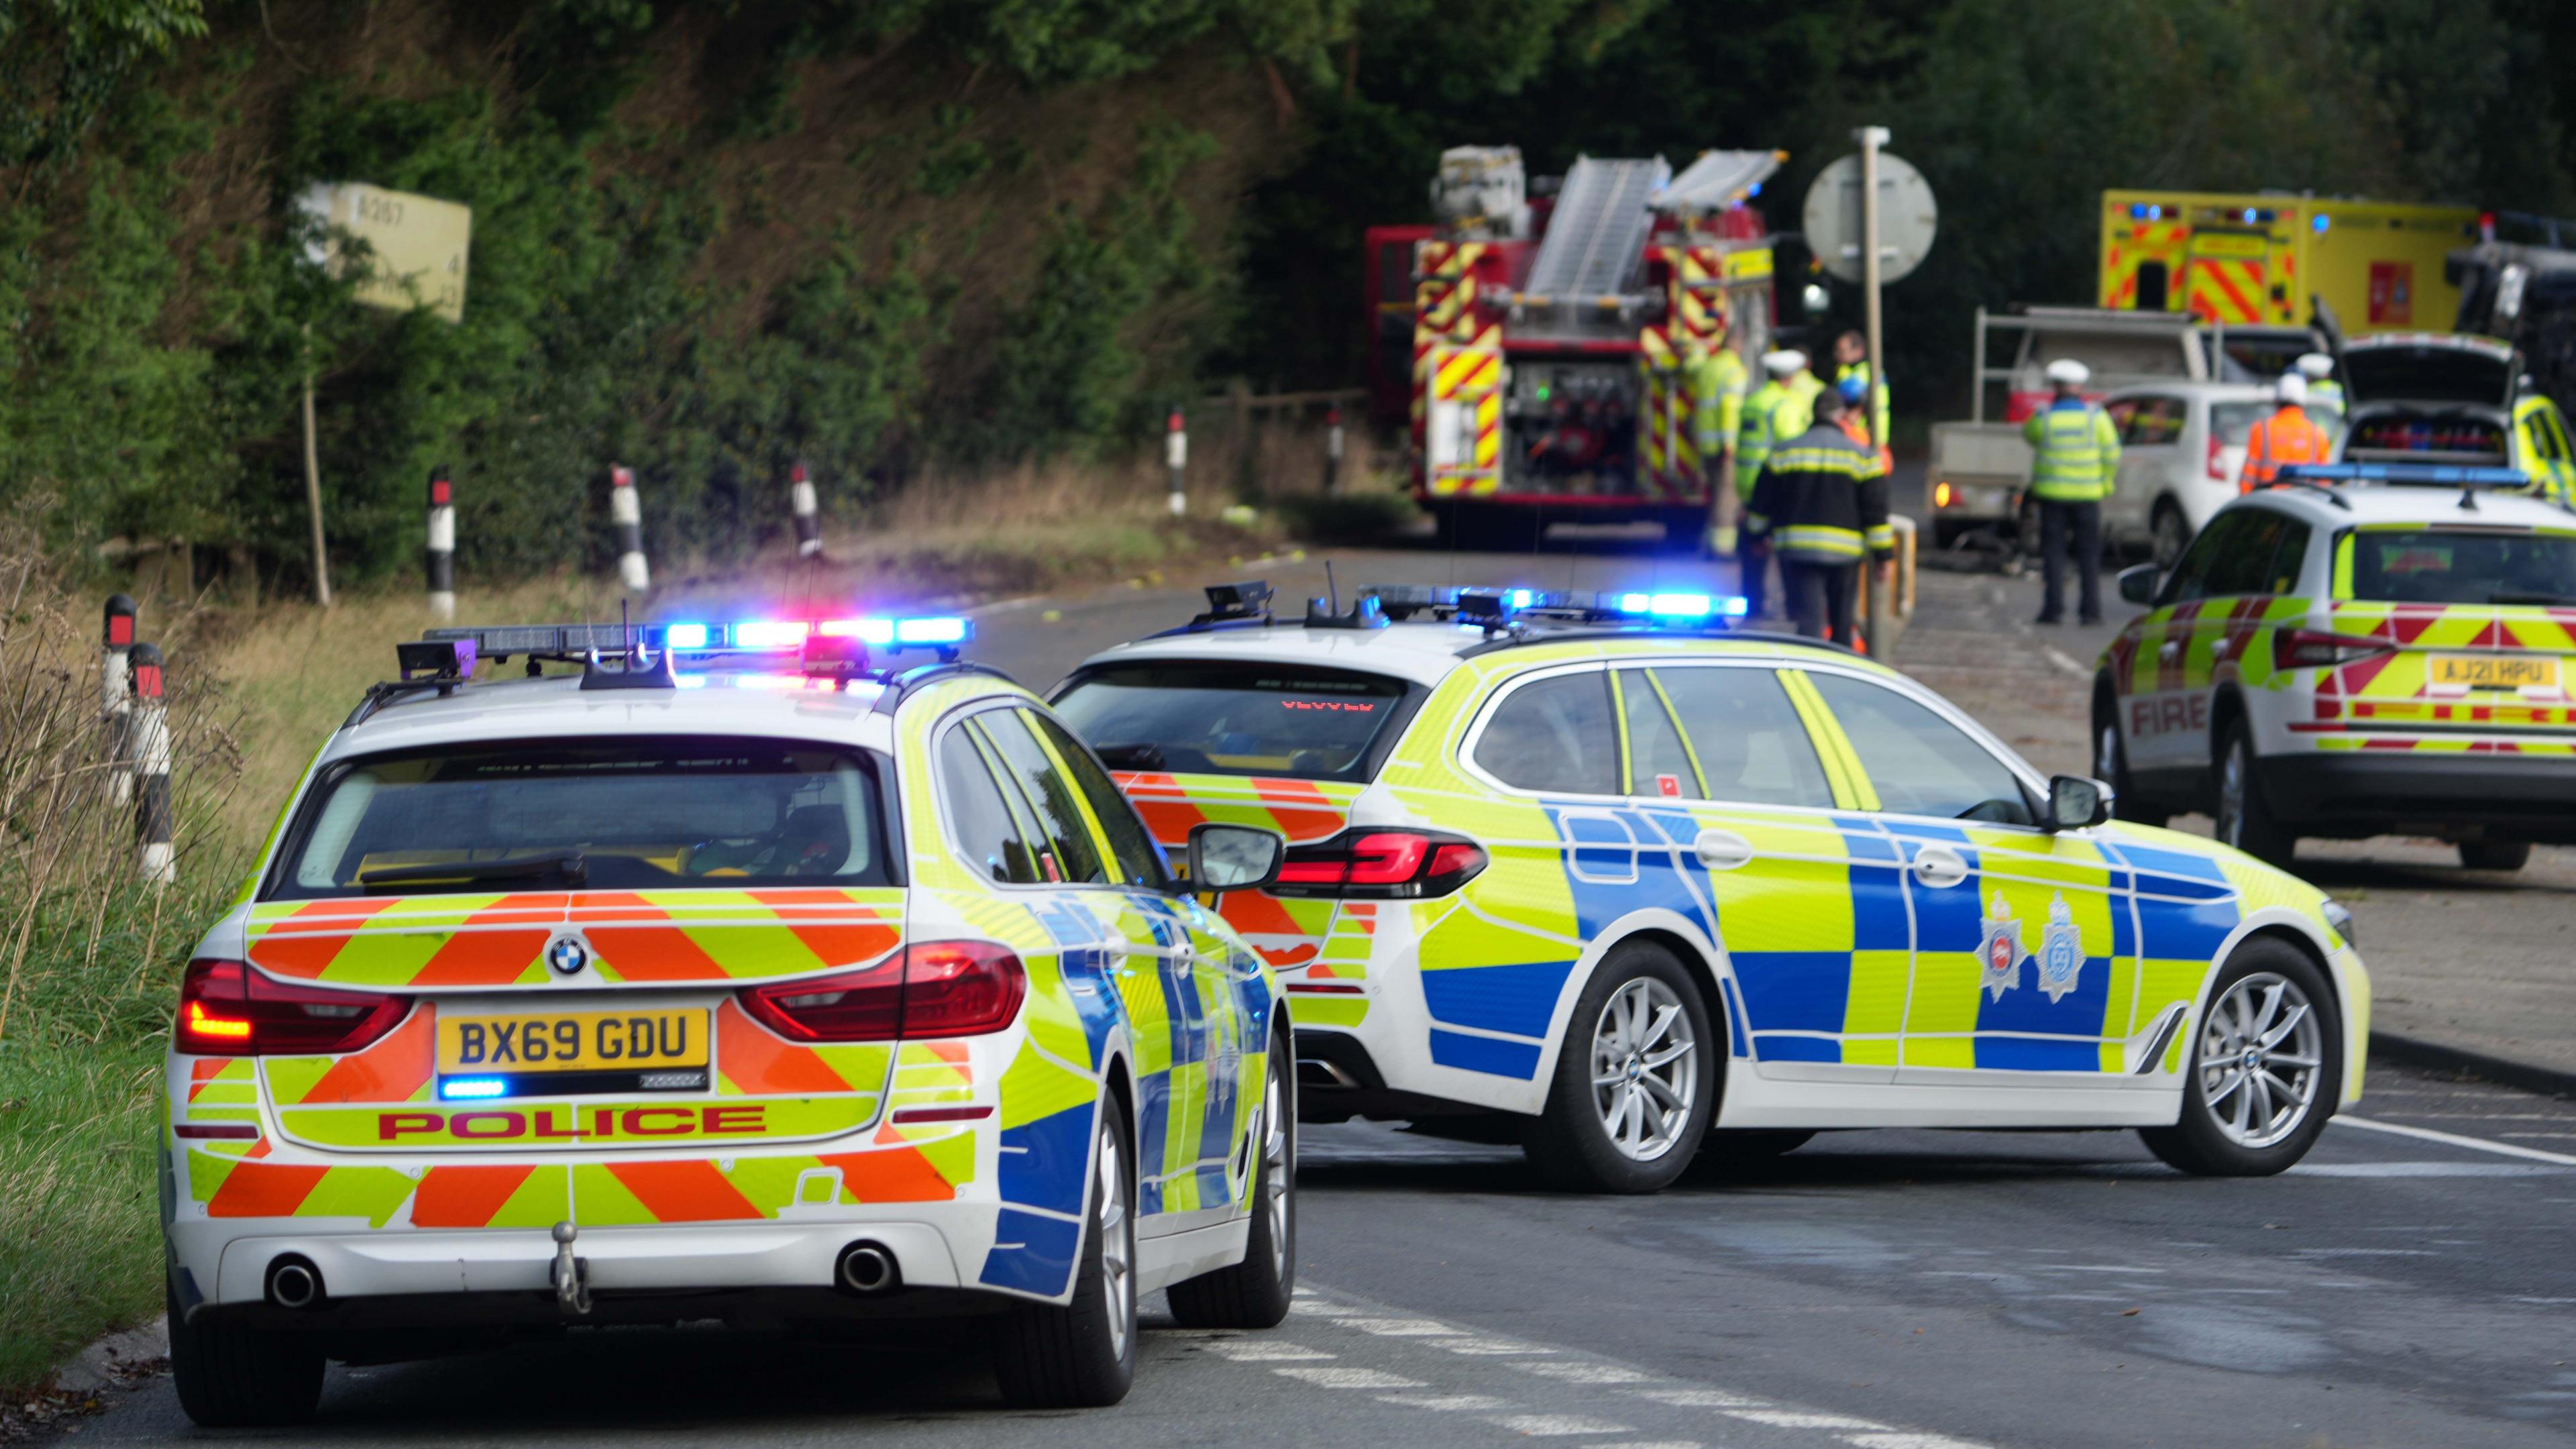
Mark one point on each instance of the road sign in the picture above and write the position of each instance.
(1907, 218)
(419, 244)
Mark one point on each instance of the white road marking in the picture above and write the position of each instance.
(1445, 1403)
(1253, 1350)
(1701, 1398)
(1910, 1441)
(1648, 1444)
(1399, 1327)
(1801, 1419)
(2426, 1169)
(2475, 1144)
(1351, 1378)
(1585, 1373)
(2057, 656)
(1486, 1347)
(1540, 1426)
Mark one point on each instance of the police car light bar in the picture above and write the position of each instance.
(1493, 606)
(2420, 475)
(756, 636)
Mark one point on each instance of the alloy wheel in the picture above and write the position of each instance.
(1645, 1069)
(2261, 1052)
(2231, 799)
(1277, 1168)
(1116, 1252)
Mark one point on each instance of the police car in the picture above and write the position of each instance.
(1611, 878)
(2368, 648)
(729, 976)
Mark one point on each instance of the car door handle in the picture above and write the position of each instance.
(2170, 646)
(1722, 850)
(1938, 866)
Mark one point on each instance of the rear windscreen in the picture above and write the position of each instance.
(2447, 566)
(1234, 719)
(2232, 423)
(618, 814)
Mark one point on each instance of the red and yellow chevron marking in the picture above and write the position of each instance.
(669, 936)
(1670, 431)
(753, 1062)
(2132, 245)
(398, 1068)
(2227, 289)
(1287, 933)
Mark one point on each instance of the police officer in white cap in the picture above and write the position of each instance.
(1779, 410)
(2323, 390)
(2075, 458)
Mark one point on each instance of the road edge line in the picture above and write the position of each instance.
(2454, 1139)
(2417, 1052)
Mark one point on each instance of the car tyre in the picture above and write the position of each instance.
(2170, 534)
(232, 1376)
(2254, 1116)
(2111, 762)
(1255, 1292)
(1635, 1079)
(1082, 1355)
(2245, 818)
(2495, 854)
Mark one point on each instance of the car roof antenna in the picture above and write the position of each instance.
(1332, 592)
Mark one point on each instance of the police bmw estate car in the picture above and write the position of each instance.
(1616, 885)
(2366, 648)
(731, 977)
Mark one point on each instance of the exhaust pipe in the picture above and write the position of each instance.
(294, 1283)
(868, 1268)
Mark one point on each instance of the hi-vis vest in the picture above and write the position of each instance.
(2287, 436)
(1772, 416)
(1873, 393)
(1717, 398)
(2075, 454)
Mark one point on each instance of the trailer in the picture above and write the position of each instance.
(1554, 328)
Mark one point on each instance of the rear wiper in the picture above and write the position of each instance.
(571, 867)
(1147, 756)
(2516, 596)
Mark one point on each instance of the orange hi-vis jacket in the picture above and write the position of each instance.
(2287, 436)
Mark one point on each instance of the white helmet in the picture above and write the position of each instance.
(2292, 388)
(2068, 371)
(1783, 363)
(2317, 366)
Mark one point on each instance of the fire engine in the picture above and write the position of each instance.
(1539, 336)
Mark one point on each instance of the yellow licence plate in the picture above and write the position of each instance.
(2495, 671)
(572, 1041)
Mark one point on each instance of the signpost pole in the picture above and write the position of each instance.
(1871, 138)
(313, 480)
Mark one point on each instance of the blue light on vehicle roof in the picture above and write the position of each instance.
(2251, 215)
(930, 631)
(2144, 211)
(474, 1087)
(769, 634)
(1521, 598)
(2321, 222)
(685, 636)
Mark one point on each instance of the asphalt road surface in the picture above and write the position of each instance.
(2411, 1284)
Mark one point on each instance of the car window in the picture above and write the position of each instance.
(1216, 717)
(2289, 559)
(2452, 566)
(987, 832)
(1918, 762)
(1750, 744)
(1658, 764)
(1066, 842)
(620, 814)
(2152, 422)
(1553, 734)
(1140, 861)
(2244, 564)
(2190, 578)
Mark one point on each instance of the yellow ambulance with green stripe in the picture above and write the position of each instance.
(2370, 647)
(721, 973)
(1625, 885)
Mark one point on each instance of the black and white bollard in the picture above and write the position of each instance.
(116, 695)
(151, 754)
(1333, 448)
(809, 519)
(628, 515)
(442, 546)
(1176, 456)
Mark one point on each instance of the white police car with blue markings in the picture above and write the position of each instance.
(1619, 877)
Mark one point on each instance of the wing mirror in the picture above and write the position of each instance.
(2138, 583)
(2075, 802)
(1225, 858)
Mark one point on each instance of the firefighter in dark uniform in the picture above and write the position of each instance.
(1822, 508)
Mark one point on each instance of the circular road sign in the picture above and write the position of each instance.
(1907, 218)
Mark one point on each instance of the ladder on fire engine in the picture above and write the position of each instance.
(1597, 234)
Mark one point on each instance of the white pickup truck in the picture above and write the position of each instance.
(1980, 468)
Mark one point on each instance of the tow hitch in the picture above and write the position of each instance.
(571, 1275)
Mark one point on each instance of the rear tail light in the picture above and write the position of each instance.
(1380, 865)
(2217, 467)
(1941, 494)
(2309, 649)
(934, 988)
(228, 1010)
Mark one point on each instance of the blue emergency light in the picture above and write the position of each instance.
(474, 1087)
(753, 636)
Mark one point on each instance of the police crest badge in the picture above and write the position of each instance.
(2061, 951)
(2001, 951)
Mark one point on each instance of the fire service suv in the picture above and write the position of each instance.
(730, 976)
(1542, 345)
